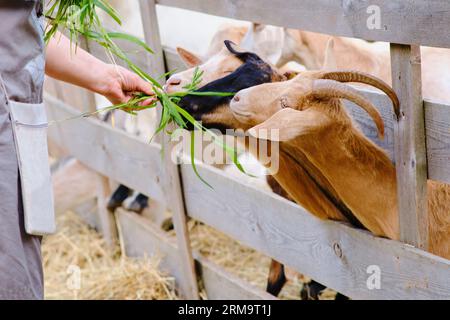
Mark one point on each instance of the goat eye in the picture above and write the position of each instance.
(284, 102)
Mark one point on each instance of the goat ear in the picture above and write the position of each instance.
(330, 58)
(288, 124)
(258, 26)
(280, 127)
(190, 59)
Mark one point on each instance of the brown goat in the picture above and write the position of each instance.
(314, 128)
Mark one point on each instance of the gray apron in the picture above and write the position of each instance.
(21, 84)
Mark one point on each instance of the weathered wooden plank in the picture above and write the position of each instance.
(222, 285)
(175, 201)
(67, 92)
(152, 36)
(366, 124)
(410, 148)
(437, 124)
(155, 63)
(173, 61)
(332, 253)
(111, 152)
(107, 225)
(407, 22)
(141, 238)
(172, 184)
(88, 213)
(155, 66)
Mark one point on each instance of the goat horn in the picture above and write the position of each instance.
(333, 89)
(361, 77)
(229, 44)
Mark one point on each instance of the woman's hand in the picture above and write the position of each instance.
(118, 85)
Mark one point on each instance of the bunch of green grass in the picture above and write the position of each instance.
(172, 113)
(84, 21)
(79, 18)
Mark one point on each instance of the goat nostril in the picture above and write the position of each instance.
(236, 99)
(174, 82)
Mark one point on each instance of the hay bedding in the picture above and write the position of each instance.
(105, 272)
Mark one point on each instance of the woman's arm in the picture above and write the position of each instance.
(82, 69)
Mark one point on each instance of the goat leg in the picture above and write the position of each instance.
(277, 278)
(139, 204)
(118, 197)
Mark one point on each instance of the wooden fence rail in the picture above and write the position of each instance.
(408, 22)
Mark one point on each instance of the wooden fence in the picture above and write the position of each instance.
(332, 253)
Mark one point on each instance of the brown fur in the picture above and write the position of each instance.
(439, 218)
(276, 188)
(226, 32)
(359, 172)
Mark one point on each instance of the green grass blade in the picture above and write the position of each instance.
(194, 167)
(130, 38)
(109, 10)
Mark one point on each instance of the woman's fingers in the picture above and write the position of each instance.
(148, 102)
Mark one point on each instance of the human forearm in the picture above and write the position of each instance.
(77, 67)
(80, 68)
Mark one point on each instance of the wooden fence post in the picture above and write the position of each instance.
(172, 183)
(174, 191)
(152, 36)
(106, 219)
(156, 66)
(410, 145)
